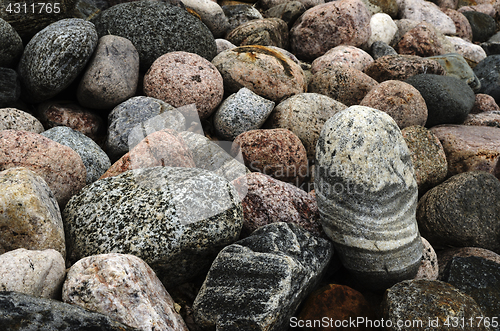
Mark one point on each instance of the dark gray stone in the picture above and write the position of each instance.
(12, 45)
(257, 283)
(54, 57)
(491, 47)
(367, 196)
(22, 312)
(288, 12)
(483, 25)
(95, 160)
(156, 28)
(239, 14)
(464, 211)
(175, 219)
(380, 48)
(488, 72)
(448, 99)
(10, 87)
(479, 278)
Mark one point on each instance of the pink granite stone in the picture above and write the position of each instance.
(422, 40)
(484, 103)
(429, 269)
(488, 118)
(350, 56)
(462, 24)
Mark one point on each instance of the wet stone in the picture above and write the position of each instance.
(15, 119)
(10, 87)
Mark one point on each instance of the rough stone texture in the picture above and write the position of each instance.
(94, 159)
(160, 148)
(429, 267)
(463, 211)
(428, 301)
(420, 10)
(10, 87)
(389, 7)
(60, 166)
(211, 15)
(266, 4)
(483, 26)
(468, 50)
(15, 119)
(328, 25)
(37, 273)
(422, 40)
(278, 153)
(344, 84)
(30, 215)
(484, 103)
(427, 155)
(112, 74)
(124, 288)
(186, 216)
(264, 32)
(181, 78)
(305, 114)
(156, 28)
(61, 113)
(223, 45)
(269, 201)
(350, 56)
(401, 67)
(400, 100)
(470, 148)
(380, 49)
(130, 114)
(239, 14)
(12, 45)
(263, 70)
(462, 24)
(368, 211)
(456, 66)
(448, 99)
(55, 57)
(258, 282)
(489, 75)
(22, 312)
(490, 118)
(240, 112)
(383, 29)
(446, 255)
(289, 12)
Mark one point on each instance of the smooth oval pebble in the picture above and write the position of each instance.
(15, 119)
(351, 56)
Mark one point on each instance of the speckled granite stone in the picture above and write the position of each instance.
(258, 282)
(15, 119)
(21, 312)
(240, 13)
(30, 215)
(12, 45)
(401, 67)
(427, 11)
(446, 255)
(175, 219)
(124, 288)
(429, 267)
(37, 273)
(488, 118)
(95, 160)
(484, 103)
(240, 112)
(472, 52)
(423, 40)
(264, 32)
(55, 57)
(350, 56)
(10, 87)
(367, 196)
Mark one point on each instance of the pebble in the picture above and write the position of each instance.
(94, 159)
(489, 118)
(429, 267)
(181, 78)
(401, 67)
(380, 49)
(420, 10)
(483, 26)
(33, 272)
(187, 215)
(349, 56)
(124, 288)
(489, 76)
(156, 28)
(67, 43)
(278, 153)
(304, 114)
(112, 74)
(400, 100)
(264, 32)
(446, 255)
(448, 99)
(462, 212)
(211, 15)
(320, 28)
(484, 103)
(15, 119)
(30, 215)
(350, 195)
(223, 45)
(289, 12)
(10, 87)
(258, 282)
(240, 14)
(383, 28)
(389, 7)
(462, 25)
(12, 45)
(422, 40)
(468, 50)
(240, 112)
(60, 166)
(456, 66)
(266, 4)
(344, 84)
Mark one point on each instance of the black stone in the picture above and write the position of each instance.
(380, 48)
(488, 72)
(11, 45)
(483, 25)
(10, 87)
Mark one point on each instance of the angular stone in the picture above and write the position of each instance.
(211, 15)
(368, 211)
(422, 40)
(12, 44)
(446, 255)
(30, 216)
(15, 119)
(463, 211)
(264, 32)
(401, 67)
(124, 288)
(10, 87)
(37, 273)
(186, 216)
(383, 29)
(456, 66)
(471, 52)
(258, 282)
(351, 56)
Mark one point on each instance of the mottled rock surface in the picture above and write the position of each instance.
(462, 24)
(211, 15)
(422, 40)
(289, 11)
(484, 103)
(420, 10)
(239, 14)
(265, 32)
(489, 75)
(15, 119)
(489, 118)
(446, 255)
(429, 267)
(351, 56)
(456, 66)
(472, 52)
(12, 45)
(401, 67)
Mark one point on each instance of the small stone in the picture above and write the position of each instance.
(289, 12)
(422, 40)
(264, 32)
(211, 15)
(429, 269)
(468, 50)
(10, 87)
(483, 25)
(484, 103)
(488, 73)
(239, 14)
(241, 112)
(446, 255)
(491, 47)
(124, 288)
(383, 29)
(419, 10)
(456, 66)
(15, 119)
(223, 45)
(489, 118)
(463, 211)
(462, 24)
(12, 45)
(30, 215)
(401, 67)
(349, 56)
(37, 273)
(380, 49)
(112, 74)
(389, 7)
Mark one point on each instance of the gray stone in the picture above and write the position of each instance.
(94, 159)
(455, 65)
(239, 14)
(223, 45)
(112, 74)
(420, 10)
(240, 112)
(489, 75)
(367, 195)
(175, 219)
(288, 12)
(379, 49)
(12, 45)
(156, 28)
(211, 14)
(21, 312)
(257, 283)
(15, 119)
(483, 25)
(55, 56)
(10, 87)
(264, 32)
